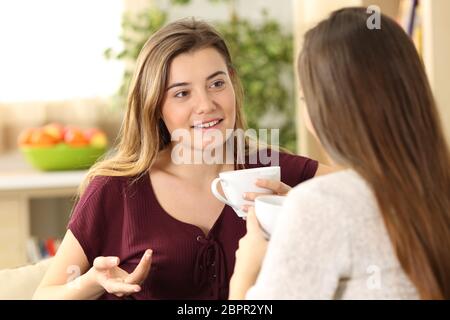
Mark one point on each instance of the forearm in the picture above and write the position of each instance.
(81, 288)
(239, 286)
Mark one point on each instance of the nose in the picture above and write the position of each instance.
(204, 103)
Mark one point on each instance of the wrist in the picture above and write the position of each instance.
(91, 283)
(240, 284)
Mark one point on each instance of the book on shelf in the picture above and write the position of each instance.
(38, 249)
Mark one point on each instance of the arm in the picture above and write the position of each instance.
(307, 255)
(252, 248)
(69, 262)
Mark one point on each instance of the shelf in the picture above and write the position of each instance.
(25, 202)
(17, 177)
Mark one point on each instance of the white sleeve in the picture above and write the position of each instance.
(309, 251)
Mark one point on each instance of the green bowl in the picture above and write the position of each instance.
(62, 157)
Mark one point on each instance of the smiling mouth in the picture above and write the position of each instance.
(207, 125)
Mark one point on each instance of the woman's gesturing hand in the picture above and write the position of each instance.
(107, 273)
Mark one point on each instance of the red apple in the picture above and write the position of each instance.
(89, 133)
(39, 138)
(55, 130)
(74, 137)
(99, 140)
(96, 137)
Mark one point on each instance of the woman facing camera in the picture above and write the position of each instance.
(380, 227)
(146, 225)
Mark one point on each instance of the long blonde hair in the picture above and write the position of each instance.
(372, 107)
(143, 133)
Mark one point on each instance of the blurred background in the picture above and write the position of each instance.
(64, 72)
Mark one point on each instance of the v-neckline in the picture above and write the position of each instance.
(171, 217)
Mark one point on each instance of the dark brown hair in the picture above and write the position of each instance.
(372, 107)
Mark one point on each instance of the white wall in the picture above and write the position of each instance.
(278, 9)
(53, 49)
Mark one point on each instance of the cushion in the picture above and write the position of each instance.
(20, 283)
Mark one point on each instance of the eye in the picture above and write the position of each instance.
(218, 84)
(181, 94)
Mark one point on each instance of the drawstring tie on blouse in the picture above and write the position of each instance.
(210, 265)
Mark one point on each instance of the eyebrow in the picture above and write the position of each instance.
(180, 84)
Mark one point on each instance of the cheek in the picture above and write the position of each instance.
(174, 116)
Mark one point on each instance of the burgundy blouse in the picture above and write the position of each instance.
(117, 218)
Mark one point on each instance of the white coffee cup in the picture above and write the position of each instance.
(267, 210)
(236, 183)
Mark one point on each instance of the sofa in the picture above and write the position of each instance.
(20, 283)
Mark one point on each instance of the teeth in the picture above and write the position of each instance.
(207, 125)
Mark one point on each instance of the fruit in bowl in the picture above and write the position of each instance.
(58, 147)
(96, 137)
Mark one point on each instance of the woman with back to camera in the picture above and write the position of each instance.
(379, 228)
(146, 226)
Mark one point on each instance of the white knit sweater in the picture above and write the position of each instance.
(331, 243)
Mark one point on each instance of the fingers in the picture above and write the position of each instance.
(119, 288)
(245, 207)
(277, 187)
(141, 272)
(251, 196)
(104, 263)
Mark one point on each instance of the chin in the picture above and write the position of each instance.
(211, 146)
(207, 145)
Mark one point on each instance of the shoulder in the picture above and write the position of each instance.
(111, 188)
(344, 193)
(296, 169)
(325, 209)
(275, 157)
(103, 184)
(294, 161)
(105, 196)
(333, 183)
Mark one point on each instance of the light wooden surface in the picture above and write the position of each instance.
(19, 183)
(436, 54)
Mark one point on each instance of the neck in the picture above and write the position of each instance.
(336, 165)
(198, 171)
